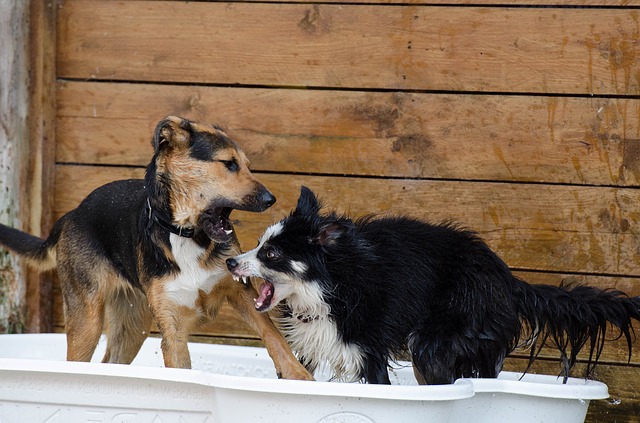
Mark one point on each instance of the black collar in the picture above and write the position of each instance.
(163, 220)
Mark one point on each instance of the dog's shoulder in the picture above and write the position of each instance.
(122, 194)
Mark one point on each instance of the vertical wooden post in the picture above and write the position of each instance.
(14, 79)
(40, 166)
(27, 105)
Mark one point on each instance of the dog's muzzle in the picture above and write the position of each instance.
(232, 265)
(265, 199)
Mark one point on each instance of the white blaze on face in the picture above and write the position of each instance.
(271, 232)
(248, 263)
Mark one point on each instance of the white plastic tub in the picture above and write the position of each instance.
(238, 384)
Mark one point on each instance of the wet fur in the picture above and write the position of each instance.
(124, 259)
(358, 293)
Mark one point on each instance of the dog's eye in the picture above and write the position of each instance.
(231, 165)
(271, 254)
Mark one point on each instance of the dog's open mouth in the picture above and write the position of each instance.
(265, 296)
(216, 223)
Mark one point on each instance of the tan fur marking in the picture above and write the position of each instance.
(199, 127)
(48, 263)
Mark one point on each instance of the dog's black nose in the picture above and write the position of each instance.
(267, 198)
(232, 263)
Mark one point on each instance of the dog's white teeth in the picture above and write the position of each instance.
(228, 232)
(245, 280)
(236, 278)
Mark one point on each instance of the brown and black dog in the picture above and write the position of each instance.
(137, 250)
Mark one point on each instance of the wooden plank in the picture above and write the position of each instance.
(41, 169)
(630, 285)
(537, 50)
(533, 227)
(414, 135)
(624, 390)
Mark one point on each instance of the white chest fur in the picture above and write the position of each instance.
(317, 342)
(184, 289)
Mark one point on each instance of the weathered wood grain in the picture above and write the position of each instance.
(450, 136)
(39, 176)
(533, 227)
(14, 138)
(525, 50)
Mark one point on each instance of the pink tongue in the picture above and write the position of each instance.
(266, 295)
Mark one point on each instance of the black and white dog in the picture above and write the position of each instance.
(358, 293)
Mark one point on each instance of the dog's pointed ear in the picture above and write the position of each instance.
(329, 234)
(170, 131)
(307, 202)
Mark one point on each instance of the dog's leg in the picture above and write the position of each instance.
(127, 324)
(84, 317)
(175, 323)
(441, 356)
(241, 299)
(421, 380)
(81, 274)
(375, 371)
(438, 370)
(175, 326)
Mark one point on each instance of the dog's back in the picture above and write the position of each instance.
(106, 229)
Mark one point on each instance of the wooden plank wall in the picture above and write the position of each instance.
(520, 120)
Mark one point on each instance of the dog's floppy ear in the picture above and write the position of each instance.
(307, 202)
(170, 131)
(329, 234)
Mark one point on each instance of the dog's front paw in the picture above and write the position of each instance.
(299, 373)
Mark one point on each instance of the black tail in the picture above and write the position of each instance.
(572, 316)
(38, 252)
